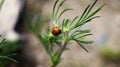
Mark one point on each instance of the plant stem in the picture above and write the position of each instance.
(58, 58)
(62, 49)
(64, 42)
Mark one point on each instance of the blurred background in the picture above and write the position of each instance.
(104, 52)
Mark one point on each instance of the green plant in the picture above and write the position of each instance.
(7, 48)
(1, 3)
(109, 54)
(61, 35)
(7, 51)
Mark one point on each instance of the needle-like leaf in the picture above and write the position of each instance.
(59, 7)
(87, 42)
(90, 8)
(72, 26)
(83, 14)
(2, 42)
(80, 45)
(86, 21)
(92, 14)
(65, 10)
(7, 58)
(53, 14)
(1, 4)
(84, 36)
(83, 31)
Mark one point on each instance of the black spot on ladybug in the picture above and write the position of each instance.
(56, 31)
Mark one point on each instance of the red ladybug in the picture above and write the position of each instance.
(56, 31)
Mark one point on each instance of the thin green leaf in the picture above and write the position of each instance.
(75, 34)
(89, 19)
(84, 12)
(55, 56)
(86, 42)
(59, 7)
(84, 36)
(96, 11)
(11, 55)
(80, 45)
(65, 10)
(73, 22)
(66, 22)
(90, 8)
(70, 38)
(1, 4)
(2, 42)
(7, 58)
(80, 32)
(86, 21)
(83, 31)
(63, 24)
(54, 8)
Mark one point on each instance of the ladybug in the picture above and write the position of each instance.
(56, 31)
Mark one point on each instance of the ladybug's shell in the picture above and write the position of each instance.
(56, 31)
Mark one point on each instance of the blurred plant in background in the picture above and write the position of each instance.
(55, 41)
(7, 49)
(2, 1)
(110, 57)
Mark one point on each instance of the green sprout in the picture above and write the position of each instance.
(61, 36)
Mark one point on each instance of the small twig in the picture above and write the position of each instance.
(62, 49)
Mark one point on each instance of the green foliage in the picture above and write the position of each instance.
(70, 30)
(7, 51)
(1, 3)
(110, 54)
